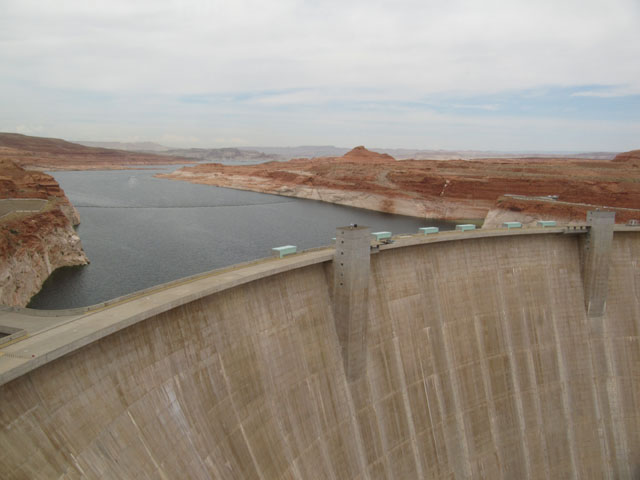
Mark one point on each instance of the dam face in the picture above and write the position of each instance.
(481, 362)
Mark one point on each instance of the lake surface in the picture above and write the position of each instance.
(139, 231)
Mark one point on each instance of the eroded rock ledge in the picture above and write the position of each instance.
(450, 189)
(36, 232)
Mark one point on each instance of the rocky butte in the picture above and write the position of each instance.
(36, 232)
(560, 188)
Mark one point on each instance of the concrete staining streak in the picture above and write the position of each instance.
(481, 362)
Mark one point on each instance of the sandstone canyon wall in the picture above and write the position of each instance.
(35, 238)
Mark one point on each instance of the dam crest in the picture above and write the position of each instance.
(480, 354)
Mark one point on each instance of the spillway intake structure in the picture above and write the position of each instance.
(485, 354)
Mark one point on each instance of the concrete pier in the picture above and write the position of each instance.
(351, 296)
(596, 261)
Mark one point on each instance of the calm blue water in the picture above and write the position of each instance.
(139, 231)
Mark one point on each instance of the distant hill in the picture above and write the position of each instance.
(311, 151)
(228, 154)
(222, 155)
(303, 151)
(130, 146)
(632, 157)
(54, 153)
(416, 154)
(242, 154)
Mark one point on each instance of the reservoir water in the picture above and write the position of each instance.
(140, 231)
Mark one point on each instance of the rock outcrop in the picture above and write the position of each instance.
(362, 155)
(34, 240)
(631, 158)
(451, 189)
(531, 209)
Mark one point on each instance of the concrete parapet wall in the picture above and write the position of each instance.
(481, 362)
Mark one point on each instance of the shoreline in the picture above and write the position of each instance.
(34, 242)
(560, 189)
(398, 205)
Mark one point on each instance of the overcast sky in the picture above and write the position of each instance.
(455, 74)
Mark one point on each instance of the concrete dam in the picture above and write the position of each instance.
(484, 354)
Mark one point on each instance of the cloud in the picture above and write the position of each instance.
(169, 47)
(174, 139)
(299, 97)
(145, 68)
(29, 129)
(487, 107)
(608, 92)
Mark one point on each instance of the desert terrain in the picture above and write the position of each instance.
(56, 154)
(37, 234)
(556, 188)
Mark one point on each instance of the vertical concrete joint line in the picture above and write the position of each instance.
(486, 381)
(515, 378)
(407, 407)
(596, 261)
(351, 267)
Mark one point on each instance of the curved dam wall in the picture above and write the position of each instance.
(481, 362)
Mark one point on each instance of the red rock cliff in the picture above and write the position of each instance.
(36, 232)
(630, 158)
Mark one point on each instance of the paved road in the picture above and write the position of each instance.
(10, 205)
